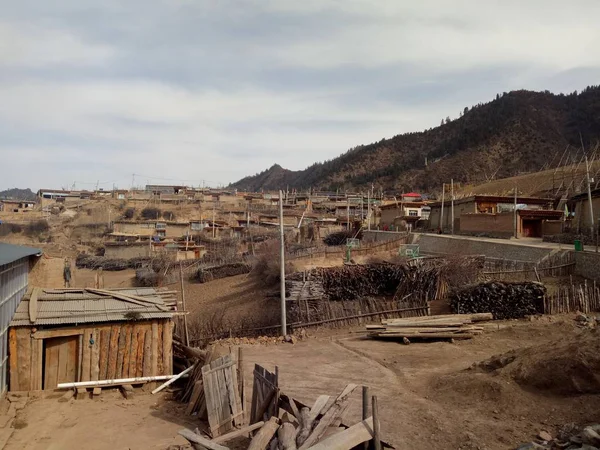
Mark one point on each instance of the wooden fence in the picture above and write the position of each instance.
(340, 250)
(583, 297)
(557, 264)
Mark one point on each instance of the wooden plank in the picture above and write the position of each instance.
(210, 396)
(127, 351)
(51, 365)
(63, 361)
(104, 348)
(95, 356)
(160, 347)
(112, 352)
(167, 342)
(202, 441)
(329, 416)
(235, 402)
(262, 438)
(86, 356)
(133, 352)
(139, 371)
(121, 351)
(37, 358)
(320, 403)
(13, 355)
(24, 358)
(147, 365)
(154, 350)
(196, 392)
(73, 363)
(350, 438)
(221, 405)
(45, 334)
(237, 433)
(33, 304)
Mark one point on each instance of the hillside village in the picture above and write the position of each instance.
(111, 295)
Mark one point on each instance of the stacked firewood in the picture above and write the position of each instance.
(454, 326)
(206, 274)
(504, 300)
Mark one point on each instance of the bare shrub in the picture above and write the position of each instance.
(168, 215)
(129, 213)
(150, 213)
(267, 266)
(8, 228)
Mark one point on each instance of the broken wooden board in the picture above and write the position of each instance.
(223, 401)
(349, 438)
(264, 389)
(197, 439)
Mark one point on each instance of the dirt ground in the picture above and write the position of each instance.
(428, 396)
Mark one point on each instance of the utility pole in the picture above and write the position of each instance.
(515, 215)
(347, 213)
(282, 266)
(214, 230)
(369, 210)
(452, 205)
(589, 192)
(442, 212)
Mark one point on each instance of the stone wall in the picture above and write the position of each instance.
(381, 236)
(587, 264)
(457, 245)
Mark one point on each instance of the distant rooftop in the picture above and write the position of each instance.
(10, 253)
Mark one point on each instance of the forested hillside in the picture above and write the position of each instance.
(518, 132)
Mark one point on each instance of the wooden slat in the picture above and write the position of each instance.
(132, 364)
(13, 359)
(37, 357)
(33, 304)
(349, 438)
(147, 364)
(318, 406)
(112, 352)
(140, 353)
(159, 347)
(235, 403)
(104, 348)
(201, 441)
(51, 366)
(121, 350)
(196, 392)
(95, 356)
(73, 362)
(24, 358)
(237, 433)
(45, 334)
(262, 438)
(86, 356)
(167, 342)
(63, 362)
(154, 350)
(126, 351)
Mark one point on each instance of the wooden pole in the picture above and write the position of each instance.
(365, 409)
(282, 267)
(186, 335)
(589, 192)
(376, 427)
(515, 215)
(452, 205)
(442, 212)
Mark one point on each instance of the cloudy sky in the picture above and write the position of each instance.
(213, 90)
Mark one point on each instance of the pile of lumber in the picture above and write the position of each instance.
(285, 423)
(454, 326)
(504, 300)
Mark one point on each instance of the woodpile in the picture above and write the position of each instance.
(206, 274)
(454, 326)
(281, 422)
(503, 299)
(340, 237)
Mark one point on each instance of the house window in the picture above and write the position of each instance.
(413, 213)
(197, 226)
(161, 226)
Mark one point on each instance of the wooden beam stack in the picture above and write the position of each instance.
(454, 326)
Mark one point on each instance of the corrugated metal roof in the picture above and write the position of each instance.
(10, 253)
(78, 306)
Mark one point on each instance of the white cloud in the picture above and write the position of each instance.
(24, 44)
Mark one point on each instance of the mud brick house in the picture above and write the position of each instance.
(579, 205)
(69, 335)
(402, 213)
(494, 215)
(16, 262)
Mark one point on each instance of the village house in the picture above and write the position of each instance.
(16, 206)
(403, 214)
(70, 335)
(177, 251)
(579, 207)
(494, 215)
(49, 197)
(16, 263)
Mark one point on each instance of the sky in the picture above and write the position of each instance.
(115, 93)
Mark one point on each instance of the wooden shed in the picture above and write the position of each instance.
(67, 335)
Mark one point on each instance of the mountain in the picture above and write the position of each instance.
(17, 194)
(517, 132)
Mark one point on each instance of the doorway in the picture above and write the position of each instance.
(61, 360)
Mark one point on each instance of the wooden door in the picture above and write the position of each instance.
(61, 359)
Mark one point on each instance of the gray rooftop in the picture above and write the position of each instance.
(77, 306)
(10, 253)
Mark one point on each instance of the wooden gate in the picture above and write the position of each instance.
(61, 360)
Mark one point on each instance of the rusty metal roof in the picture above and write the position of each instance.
(76, 306)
